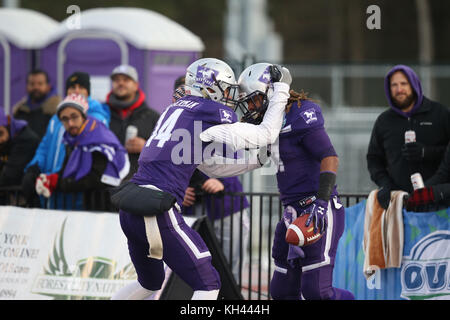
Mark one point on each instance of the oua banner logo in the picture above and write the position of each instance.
(425, 272)
(92, 277)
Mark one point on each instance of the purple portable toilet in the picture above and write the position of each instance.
(97, 40)
(21, 32)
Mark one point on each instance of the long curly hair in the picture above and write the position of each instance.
(297, 97)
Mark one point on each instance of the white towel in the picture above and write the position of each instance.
(383, 233)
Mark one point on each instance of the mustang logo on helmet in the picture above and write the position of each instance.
(265, 77)
(206, 75)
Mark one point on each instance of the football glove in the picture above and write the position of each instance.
(289, 215)
(317, 214)
(280, 74)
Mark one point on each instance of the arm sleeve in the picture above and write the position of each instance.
(433, 153)
(218, 166)
(442, 175)
(241, 135)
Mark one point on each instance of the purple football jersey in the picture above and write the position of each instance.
(174, 149)
(303, 144)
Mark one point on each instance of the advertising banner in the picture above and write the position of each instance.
(425, 269)
(51, 254)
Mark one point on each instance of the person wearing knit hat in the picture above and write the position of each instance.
(80, 79)
(72, 113)
(50, 154)
(76, 101)
(94, 157)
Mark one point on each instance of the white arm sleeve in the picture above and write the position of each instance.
(241, 135)
(218, 166)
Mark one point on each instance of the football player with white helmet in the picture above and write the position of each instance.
(306, 179)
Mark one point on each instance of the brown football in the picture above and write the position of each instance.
(300, 235)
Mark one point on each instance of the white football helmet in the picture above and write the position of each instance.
(212, 79)
(255, 81)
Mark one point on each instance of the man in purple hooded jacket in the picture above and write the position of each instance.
(390, 160)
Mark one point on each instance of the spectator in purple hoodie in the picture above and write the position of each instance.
(17, 145)
(390, 160)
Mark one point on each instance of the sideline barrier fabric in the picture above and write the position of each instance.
(53, 254)
(425, 270)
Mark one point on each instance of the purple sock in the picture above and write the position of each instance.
(285, 283)
(341, 294)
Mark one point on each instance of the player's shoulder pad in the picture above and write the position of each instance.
(217, 113)
(308, 115)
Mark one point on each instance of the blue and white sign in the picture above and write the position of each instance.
(425, 270)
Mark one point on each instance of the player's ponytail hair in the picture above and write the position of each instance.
(296, 97)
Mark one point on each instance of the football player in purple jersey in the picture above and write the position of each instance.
(191, 133)
(307, 167)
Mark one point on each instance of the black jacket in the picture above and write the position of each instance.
(440, 182)
(15, 154)
(39, 117)
(91, 181)
(144, 118)
(385, 161)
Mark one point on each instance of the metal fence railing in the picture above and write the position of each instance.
(250, 261)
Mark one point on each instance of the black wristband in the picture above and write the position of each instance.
(327, 180)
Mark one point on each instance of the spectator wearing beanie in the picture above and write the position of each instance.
(128, 108)
(50, 154)
(94, 157)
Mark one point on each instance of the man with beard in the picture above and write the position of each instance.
(40, 103)
(390, 160)
(51, 151)
(128, 108)
(94, 157)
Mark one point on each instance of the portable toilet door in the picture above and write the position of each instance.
(5, 74)
(22, 33)
(15, 63)
(109, 37)
(164, 67)
(95, 52)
